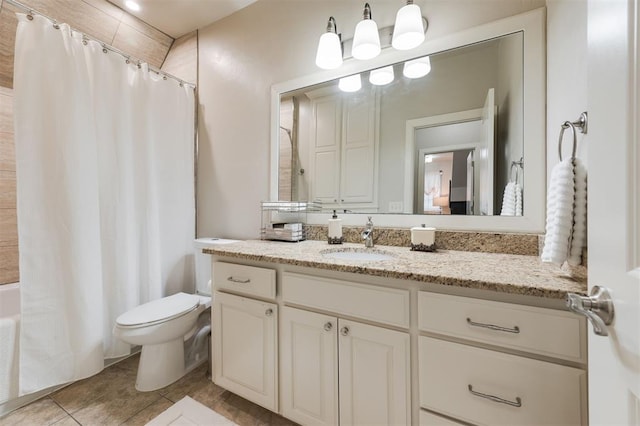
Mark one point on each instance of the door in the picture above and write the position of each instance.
(487, 155)
(374, 375)
(614, 223)
(309, 367)
(325, 154)
(470, 184)
(244, 348)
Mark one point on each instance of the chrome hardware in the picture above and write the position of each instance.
(517, 403)
(597, 307)
(515, 329)
(268, 312)
(328, 326)
(344, 331)
(239, 280)
(367, 234)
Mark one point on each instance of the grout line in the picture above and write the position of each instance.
(145, 407)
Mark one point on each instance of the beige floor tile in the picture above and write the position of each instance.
(149, 413)
(196, 382)
(82, 393)
(115, 407)
(278, 420)
(129, 364)
(42, 412)
(248, 412)
(67, 421)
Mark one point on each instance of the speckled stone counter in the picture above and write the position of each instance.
(507, 273)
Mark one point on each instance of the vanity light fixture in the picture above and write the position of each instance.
(408, 31)
(329, 53)
(417, 68)
(352, 83)
(132, 5)
(366, 40)
(381, 76)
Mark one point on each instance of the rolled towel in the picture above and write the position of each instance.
(579, 237)
(509, 200)
(560, 199)
(518, 200)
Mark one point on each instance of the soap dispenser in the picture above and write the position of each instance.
(335, 230)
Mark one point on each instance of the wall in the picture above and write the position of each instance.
(182, 59)
(269, 42)
(566, 74)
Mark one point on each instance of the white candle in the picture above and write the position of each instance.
(423, 235)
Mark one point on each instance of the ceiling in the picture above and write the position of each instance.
(179, 17)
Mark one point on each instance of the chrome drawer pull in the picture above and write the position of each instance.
(518, 402)
(239, 280)
(515, 329)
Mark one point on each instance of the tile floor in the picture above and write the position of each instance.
(110, 398)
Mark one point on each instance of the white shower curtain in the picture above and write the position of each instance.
(106, 209)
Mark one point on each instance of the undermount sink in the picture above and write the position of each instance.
(362, 255)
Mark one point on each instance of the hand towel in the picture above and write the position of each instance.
(579, 237)
(566, 213)
(512, 200)
(509, 200)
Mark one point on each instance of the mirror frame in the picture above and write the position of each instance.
(532, 25)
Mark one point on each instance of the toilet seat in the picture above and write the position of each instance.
(158, 311)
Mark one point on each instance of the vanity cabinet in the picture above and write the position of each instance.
(343, 156)
(244, 333)
(336, 370)
(493, 384)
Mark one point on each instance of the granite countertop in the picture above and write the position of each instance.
(506, 273)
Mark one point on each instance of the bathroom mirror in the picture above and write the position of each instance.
(371, 151)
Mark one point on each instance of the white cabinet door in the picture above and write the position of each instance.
(309, 367)
(374, 375)
(244, 348)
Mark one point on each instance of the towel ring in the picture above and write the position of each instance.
(514, 164)
(567, 125)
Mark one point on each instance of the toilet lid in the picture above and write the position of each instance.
(160, 309)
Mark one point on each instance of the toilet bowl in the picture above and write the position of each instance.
(160, 327)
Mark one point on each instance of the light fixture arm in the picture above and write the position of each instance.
(367, 11)
(332, 27)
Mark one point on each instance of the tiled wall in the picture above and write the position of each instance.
(8, 220)
(105, 22)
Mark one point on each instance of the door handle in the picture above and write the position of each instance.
(597, 307)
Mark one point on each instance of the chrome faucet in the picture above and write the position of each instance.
(367, 234)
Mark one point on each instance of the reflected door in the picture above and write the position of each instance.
(487, 155)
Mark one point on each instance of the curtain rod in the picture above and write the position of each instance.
(32, 11)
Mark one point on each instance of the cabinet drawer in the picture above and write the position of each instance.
(379, 304)
(548, 332)
(244, 279)
(487, 387)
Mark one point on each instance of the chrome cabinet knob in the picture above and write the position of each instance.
(328, 326)
(268, 312)
(344, 331)
(597, 307)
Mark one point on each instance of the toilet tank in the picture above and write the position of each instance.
(203, 262)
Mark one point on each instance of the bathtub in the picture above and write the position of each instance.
(10, 338)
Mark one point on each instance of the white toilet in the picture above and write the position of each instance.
(162, 326)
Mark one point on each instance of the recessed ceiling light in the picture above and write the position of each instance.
(130, 4)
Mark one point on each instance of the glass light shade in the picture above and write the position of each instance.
(408, 31)
(417, 68)
(329, 54)
(366, 40)
(381, 76)
(353, 83)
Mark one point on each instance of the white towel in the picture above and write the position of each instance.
(579, 239)
(566, 213)
(512, 200)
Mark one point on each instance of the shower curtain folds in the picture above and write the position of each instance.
(104, 155)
